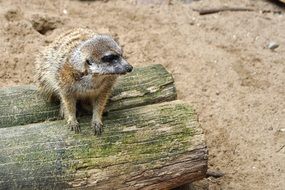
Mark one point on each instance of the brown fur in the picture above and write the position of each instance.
(67, 75)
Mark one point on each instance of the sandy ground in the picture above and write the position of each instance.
(220, 62)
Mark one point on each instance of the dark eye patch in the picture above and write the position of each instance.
(110, 58)
(88, 62)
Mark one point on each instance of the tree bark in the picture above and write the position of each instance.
(158, 146)
(23, 105)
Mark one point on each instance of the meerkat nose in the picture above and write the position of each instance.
(129, 68)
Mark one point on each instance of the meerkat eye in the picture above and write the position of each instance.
(110, 58)
(88, 62)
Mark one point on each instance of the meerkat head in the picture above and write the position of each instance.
(100, 55)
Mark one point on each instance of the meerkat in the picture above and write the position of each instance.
(80, 65)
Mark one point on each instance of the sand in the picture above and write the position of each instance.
(221, 64)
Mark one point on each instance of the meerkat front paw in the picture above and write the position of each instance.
(97, 127)
(74, 126)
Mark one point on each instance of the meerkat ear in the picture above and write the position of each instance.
(85, 69)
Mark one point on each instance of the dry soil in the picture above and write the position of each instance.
(221, 64)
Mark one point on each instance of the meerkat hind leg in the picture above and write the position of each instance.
(61, 110)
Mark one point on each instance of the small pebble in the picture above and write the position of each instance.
(273, 45)
(64, 11)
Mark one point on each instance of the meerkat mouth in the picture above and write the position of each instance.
(109, 74)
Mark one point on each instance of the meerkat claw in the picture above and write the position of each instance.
(97, 128)
(74, 126)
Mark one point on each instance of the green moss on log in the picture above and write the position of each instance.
(144, 147)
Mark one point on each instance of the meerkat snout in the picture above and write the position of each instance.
(109, 64)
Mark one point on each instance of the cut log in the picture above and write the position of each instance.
(158, 146)
(147, 85)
